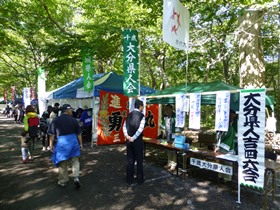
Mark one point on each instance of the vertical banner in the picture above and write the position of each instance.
(176, 24)
(41, 90)
(195, 110)
(222, 110)
(130, 63)
(112, 113)
(5, 95)
(251, 138)
(26, 96)
(180, 114)
(32, 92)
(151, 125)
(87, 69)
(13, 90)
(186, 104)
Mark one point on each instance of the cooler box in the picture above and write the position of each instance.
(179, 142)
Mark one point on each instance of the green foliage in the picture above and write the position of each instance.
(51, 33)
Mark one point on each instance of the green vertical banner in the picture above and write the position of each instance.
(130, 63)
(87, 69)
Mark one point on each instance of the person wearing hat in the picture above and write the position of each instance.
(67, 149)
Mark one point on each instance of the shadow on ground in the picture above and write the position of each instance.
(33, 185)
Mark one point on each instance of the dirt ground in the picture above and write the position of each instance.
(34, 185)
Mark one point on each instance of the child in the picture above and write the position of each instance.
(25, 147)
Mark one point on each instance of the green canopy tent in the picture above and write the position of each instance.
(208, 94)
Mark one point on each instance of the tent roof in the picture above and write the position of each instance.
(208, 97)
(110, 82)
(168, 95)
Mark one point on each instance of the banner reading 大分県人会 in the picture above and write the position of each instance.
(130, 63)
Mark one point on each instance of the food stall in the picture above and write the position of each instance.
(249, 104)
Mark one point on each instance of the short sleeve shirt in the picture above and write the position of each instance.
(65, 125)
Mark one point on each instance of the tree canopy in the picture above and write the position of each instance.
(51, 34)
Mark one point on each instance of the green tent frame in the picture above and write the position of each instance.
(208, 94)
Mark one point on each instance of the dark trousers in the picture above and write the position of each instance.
(134, 152)
(88, 131)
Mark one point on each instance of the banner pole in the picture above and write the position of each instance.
(187, 62)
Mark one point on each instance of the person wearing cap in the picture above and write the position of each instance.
(133, 133)
(69, 142)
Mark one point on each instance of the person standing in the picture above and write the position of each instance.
(67, 149)
(133, 133)
(86, 120)
(168, 123)
(31, 125)
(44, 130)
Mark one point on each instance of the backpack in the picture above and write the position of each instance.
(33, 123)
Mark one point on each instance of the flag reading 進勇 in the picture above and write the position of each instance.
(130, 63)
(176, 24)
(41, 90)
(87, 69)
(251, 138)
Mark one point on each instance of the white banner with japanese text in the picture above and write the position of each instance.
(222, 110)
(180, 114)
(251, 138)
(212, 166)
(195, 110)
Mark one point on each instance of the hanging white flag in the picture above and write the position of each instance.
(176, 24)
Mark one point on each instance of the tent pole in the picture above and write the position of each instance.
(187, 63)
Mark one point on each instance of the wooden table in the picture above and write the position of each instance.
(203, 154)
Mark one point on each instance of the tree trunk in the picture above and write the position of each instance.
(251, 59)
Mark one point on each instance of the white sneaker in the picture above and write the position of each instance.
(44, 149)
(77, 183)
(173, 166)
(61, 184)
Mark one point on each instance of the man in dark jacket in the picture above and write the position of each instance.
(132, 129)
